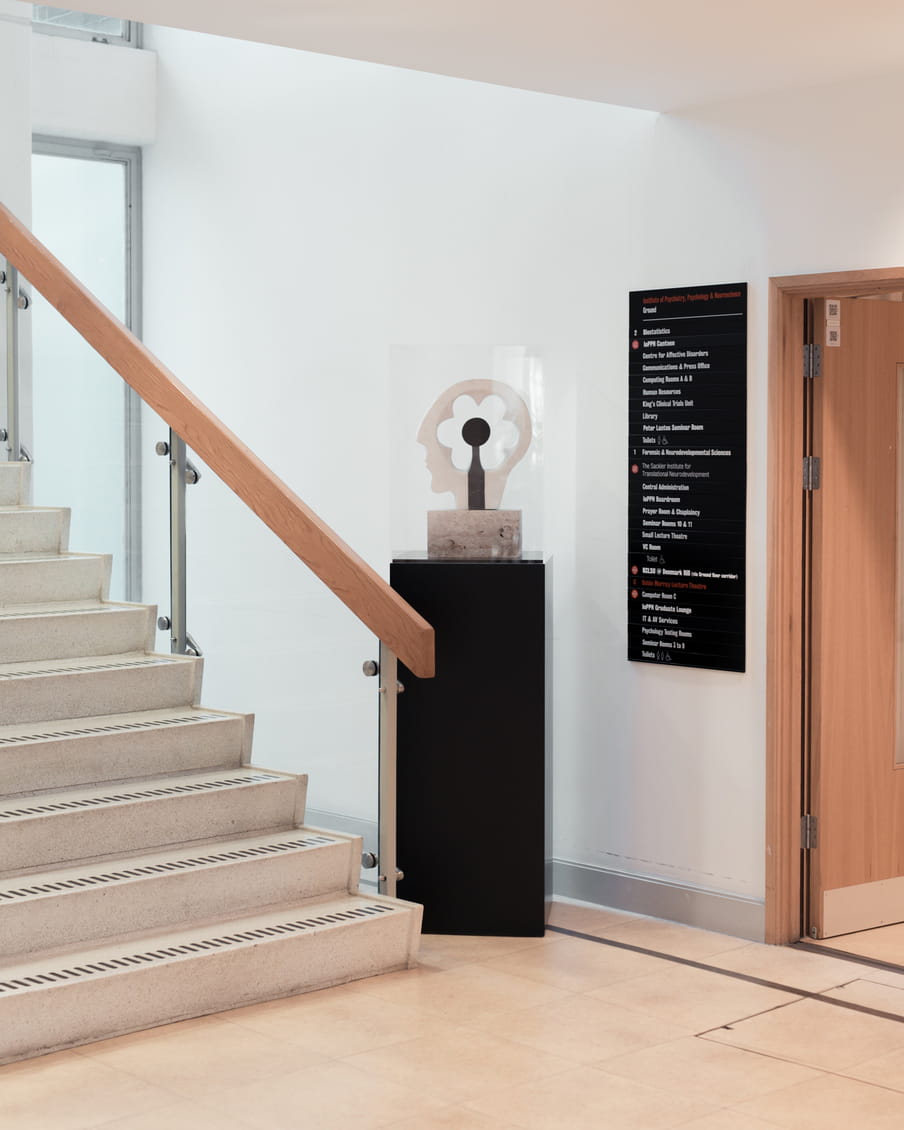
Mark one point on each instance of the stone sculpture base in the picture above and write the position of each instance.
(480, 534)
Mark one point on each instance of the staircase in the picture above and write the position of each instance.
(148, 872)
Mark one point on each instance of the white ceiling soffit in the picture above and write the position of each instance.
(650, 54)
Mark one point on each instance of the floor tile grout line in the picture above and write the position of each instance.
(749, 978)
(837, 1073)
(743, 1019)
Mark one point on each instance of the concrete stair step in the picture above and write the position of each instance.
(78, 997)
(77, 752)
(68, 825)
(148, 873)
(28, 578)
(109, 897)
(15, 483)
(47, 689)
(61, 630)
(33, 529)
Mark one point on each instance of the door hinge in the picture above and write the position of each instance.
(812, 470)
(812, 360)
(808, 832)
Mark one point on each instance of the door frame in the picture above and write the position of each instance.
(785, 555)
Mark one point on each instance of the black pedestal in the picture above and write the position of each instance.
(471, 748)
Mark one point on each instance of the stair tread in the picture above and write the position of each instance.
(91, 663)
(53, 801)
(110, 871)
(28, 508)
(45, 555)
(67, 608)
(28, 732)
(314, 915)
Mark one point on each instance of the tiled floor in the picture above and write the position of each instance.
(699, 1030)
(886, 943)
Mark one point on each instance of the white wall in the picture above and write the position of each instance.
(15, 113)
(303, 216)
(674, 760)
(15, 165)
(73, 85)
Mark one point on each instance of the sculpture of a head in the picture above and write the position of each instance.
(445, 476)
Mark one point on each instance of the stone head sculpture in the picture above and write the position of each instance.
(463, 484)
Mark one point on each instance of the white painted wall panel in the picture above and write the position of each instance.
(93, 91)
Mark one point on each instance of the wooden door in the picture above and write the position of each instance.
(856, 868)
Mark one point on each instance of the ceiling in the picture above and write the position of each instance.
(651, 54)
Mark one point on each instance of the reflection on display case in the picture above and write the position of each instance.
(470, 487)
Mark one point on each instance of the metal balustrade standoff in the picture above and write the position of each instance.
(16, 302)
(182, 473)
(390, 688)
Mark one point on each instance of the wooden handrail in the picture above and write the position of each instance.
(356, 584)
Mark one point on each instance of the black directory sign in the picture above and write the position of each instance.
(687, 476)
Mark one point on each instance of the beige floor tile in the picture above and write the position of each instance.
(197, 1056)
(582, 1029)
(589, 1099)
(727, 1119)
(71, 1092)
(672, 938)
(693, 999)
(885, 1071)
(815, 1034)
(451, 1118)
(301, 1002)
(883, 998)
(882, 977)
(786, 965)
(883, 944)
(333, 1097)
(587, 919)
(182, 1116)
(830, 1103)
(712, 1072)
(338, 1026)
(577, 965)
(464, 993)
(446, 951)
(459, 1064)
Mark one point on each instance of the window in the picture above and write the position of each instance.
(81, 25)
(87, 422)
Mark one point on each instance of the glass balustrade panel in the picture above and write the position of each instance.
(276, 644)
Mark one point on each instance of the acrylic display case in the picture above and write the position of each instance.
(431, 477)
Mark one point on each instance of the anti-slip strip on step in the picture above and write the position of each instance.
(190, 949)
(167, 867)
(113, 728)
(141, 794)
(86, 667)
